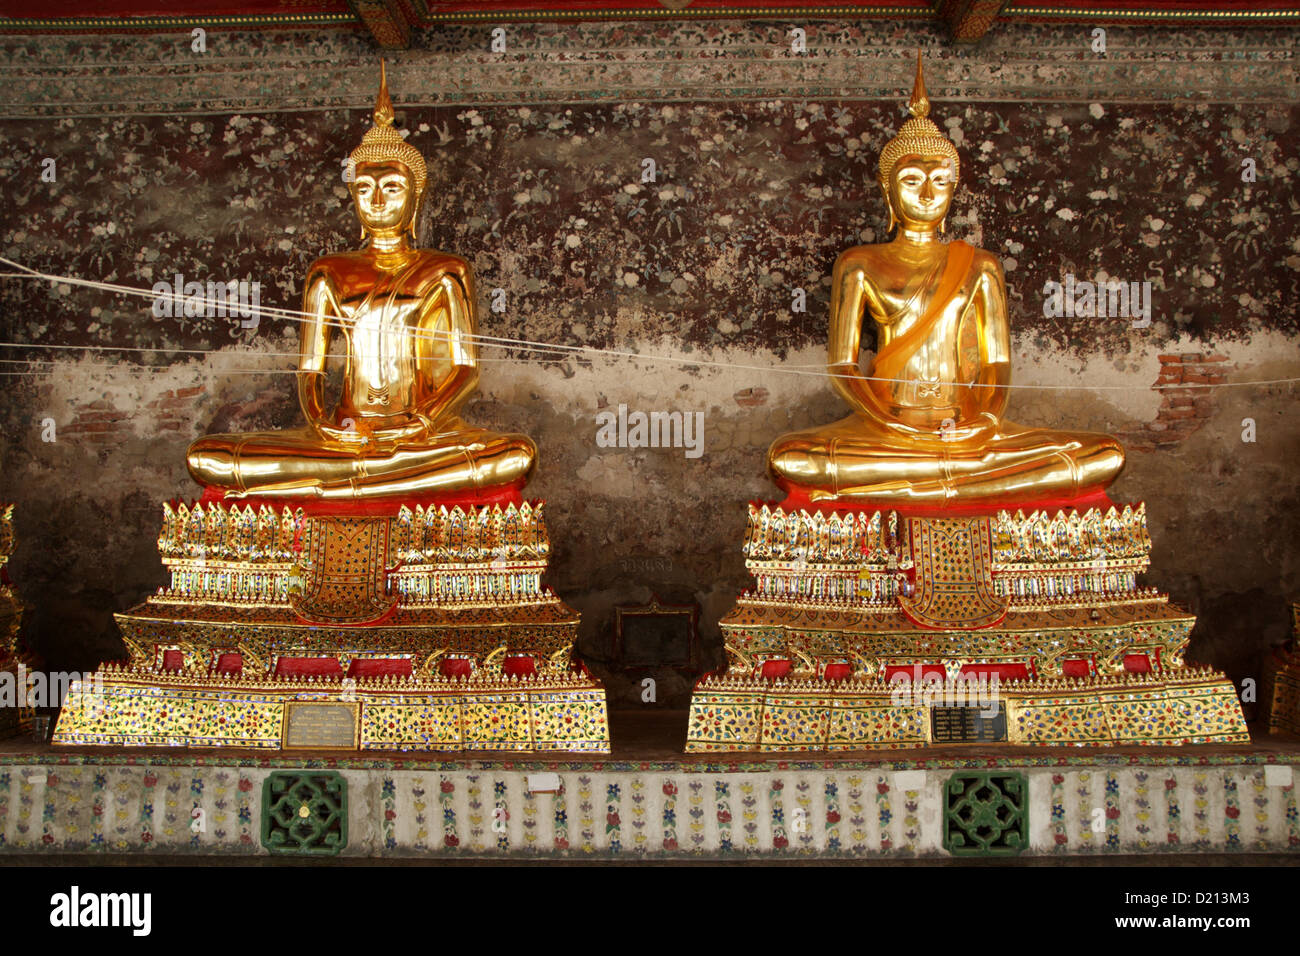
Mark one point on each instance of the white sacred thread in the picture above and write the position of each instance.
(526, 345)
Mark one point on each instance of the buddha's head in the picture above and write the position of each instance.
(919, 168)
(385, 197)
(388, 174)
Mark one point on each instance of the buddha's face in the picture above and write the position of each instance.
(920, 191)
(385, 197)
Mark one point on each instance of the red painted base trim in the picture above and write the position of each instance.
(308, 667)
(798, 500)
(378, 507)
(380, 667)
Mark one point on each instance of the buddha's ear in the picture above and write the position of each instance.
(415, 213)
(893, 218)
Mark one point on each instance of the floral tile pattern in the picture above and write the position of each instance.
(613, 811)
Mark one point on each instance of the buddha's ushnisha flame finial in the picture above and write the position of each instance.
(919, 136)
(384, 144)
(384, 104)
(919, 104)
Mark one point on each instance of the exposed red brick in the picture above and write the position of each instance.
(751, 397)
(179, 403)
(1178, 413)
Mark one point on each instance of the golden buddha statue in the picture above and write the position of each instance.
(406, 317)
(927, 426)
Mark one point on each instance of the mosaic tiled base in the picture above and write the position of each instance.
(417, 583)
(846, 603)
(738, 715)
(1284, 696)
(545, 627)
(1159, 802)
(430, 623)
(535, 715)
(1281, 692)
(13, 719)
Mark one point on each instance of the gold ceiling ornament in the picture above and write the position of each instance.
(919, 136)
(384, 144)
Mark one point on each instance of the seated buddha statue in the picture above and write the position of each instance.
(406, 319)
(927, 424)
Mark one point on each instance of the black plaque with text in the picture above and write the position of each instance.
(968, 725)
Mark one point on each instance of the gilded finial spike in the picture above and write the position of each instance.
(383, 105)
(919, 104)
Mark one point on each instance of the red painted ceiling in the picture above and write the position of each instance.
(396, 18)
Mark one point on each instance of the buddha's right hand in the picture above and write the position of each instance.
(979, 429)
(351, 435)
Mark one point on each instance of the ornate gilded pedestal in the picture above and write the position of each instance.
(869, 628)
(428, 628)
(371, 579)
(902, 595)
(1282, 684)
(15, 715)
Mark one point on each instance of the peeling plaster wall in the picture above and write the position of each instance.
(1127, 167)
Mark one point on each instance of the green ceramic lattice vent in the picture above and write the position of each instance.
(985, 814)
(305, 813)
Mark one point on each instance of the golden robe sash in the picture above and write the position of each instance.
(891, 359)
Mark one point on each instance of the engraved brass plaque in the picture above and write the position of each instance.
(321, 725)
